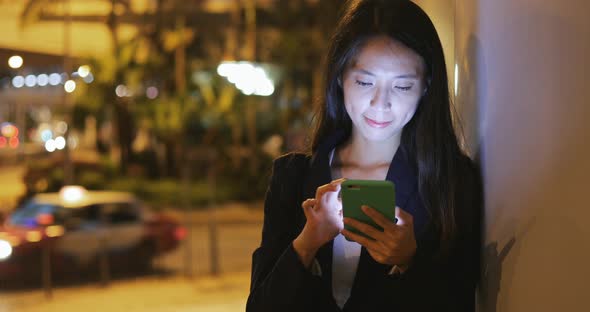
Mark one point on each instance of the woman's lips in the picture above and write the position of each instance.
(376, 124)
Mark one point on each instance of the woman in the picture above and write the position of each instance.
(385, 115)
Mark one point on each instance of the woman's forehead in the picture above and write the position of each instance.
(383, 54)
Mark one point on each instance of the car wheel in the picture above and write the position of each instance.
(144, 256)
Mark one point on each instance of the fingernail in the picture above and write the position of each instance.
(364, 207)
(338, 181)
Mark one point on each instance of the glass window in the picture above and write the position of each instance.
(121, 213)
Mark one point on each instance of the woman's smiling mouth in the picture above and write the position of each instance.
(377, 124)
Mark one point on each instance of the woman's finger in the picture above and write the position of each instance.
(333, 195)
(379, 256)
(365, 228)
(308, 203)
(365, 242)
(330, 187)
(323, 190)
(378, 217)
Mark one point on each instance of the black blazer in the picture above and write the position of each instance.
(280, 282)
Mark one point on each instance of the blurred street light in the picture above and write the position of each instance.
(151, 92)
(60, 143)
(83, 71)
(42, 80)
(31, 81)
(63, 77)
(5, 249)
(18, 81)
(15, 61)
(50, 145)
(70, 86)
(54, 79)
(121, 90)
(247, 77)
(89, 78)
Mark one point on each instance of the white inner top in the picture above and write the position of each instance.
(345, 259)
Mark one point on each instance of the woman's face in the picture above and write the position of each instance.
(382, 87)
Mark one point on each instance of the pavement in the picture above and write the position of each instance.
(226, 292)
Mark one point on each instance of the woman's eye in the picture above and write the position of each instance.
(362, 83)
(403, 88)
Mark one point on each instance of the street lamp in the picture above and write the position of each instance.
(70, 86)
(249, 78)
(15, 61)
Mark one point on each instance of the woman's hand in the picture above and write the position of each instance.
(395, 245)
(324, 221)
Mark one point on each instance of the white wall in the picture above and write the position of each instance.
(524, 72)
(524, 96)
(441, 13)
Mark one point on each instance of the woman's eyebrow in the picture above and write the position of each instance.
(366, 72)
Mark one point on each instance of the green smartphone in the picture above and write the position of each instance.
(379, 195)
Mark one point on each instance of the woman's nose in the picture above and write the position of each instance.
(381, 98)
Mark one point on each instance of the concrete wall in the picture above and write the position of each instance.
(523, 70)
(523, 74)
(441, 13)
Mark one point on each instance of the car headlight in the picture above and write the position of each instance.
(5, 250)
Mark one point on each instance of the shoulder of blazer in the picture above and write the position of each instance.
(288, 174)
(292, 163)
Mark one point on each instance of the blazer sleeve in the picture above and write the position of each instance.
(279, 281)
(446, 283)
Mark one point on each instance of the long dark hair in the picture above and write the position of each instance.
(429, 137)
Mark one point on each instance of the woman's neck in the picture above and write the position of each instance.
(361, 152)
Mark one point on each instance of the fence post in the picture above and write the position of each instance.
(188, 252)
(104, 250)
(212, 218)
(46, 270)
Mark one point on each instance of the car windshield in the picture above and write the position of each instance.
(28, 214)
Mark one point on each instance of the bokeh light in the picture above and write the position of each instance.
(31, 81)
(54, 230)
(60, 143)
(247, 77)
(46, 135)
(42, 80)
(61, 127)
(5, 249)
(8, 130)
(18, 81)
(54, 79)
(151, 92)
(15, 61)
(83, 71)
(13, 142)
(33, 236)
(50, 145)
(121, 90)
(89, 78)
(72, 193)
(70, 86)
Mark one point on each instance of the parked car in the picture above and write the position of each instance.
(77, 226)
